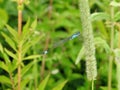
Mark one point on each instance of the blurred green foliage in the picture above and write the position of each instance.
(55, 21)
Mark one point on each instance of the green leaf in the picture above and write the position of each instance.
(31, 42)
(13, 65)
(34, 24)
(43, 83)
(64, 22)
(8, 66)
(106, 88)
(1, 48)
(80, 55)
(100, 16)
(26, 26)
(4, 66)
(115, 4)
(9, 41)
(26, 30)
(117, 16)
(60, 86)
(13, 32)
(11, 54)
(24, 82)
(6, 58)
(102, 28)
(24, 70)
(4, 79)
(75, 76)
(25, 48)
(36, 39)
(3, 18)
(99, 42)
(31, 57)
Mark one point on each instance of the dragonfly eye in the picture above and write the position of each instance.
(75, 35)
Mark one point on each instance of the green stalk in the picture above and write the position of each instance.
(19, 67)
(20, 3)
(118, 73)
(92, 84)
(112, 47)
(12, 81)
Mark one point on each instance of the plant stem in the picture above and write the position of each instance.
(20, 17)
(12, 81)
(50, 9)
(20, 2)
(19, 67)
(92, 84)
(112, 47)
(44, 56)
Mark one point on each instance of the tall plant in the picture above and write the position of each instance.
(91, 67)
(20, 42)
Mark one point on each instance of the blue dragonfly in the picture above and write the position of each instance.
(62, 42)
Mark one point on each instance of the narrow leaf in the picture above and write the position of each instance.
(6, 58)
(26, 26)
(9, 41)
(4, 66)
(102, 29)
(13, 65)
(60, 86)
(24, 82)
(100, 16)
(11, 54)
(8, 66)
(34, 24)
(117, 16)
(3, 17)
(12, 31)
(24, 70)
(36, 40)
(99, 42)
(43, 83)
(25, 48)
(4, 79)
(32, 57)
(26, 31)
(80, 55)
(1, 48)
(28, 44)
